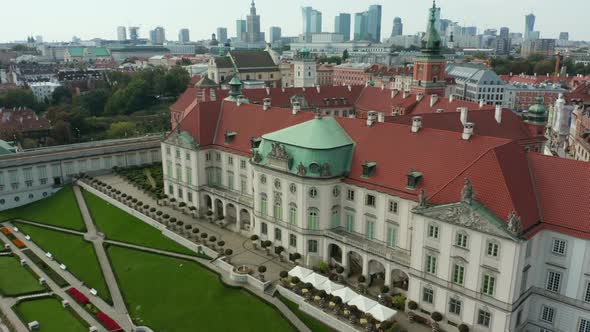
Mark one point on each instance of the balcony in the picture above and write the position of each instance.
(375, 247)
(288, 226)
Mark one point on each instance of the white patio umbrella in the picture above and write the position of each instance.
(315, 279)
(362, 303)
(329, 286)
(381, 313)
(346, 294)
(300, 272)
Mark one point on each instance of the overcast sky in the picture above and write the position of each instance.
(62, 19)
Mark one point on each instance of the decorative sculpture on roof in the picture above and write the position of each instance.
(257, 157)
(279, 152)
(422, 199)
(301, 169)
(326, 170)
(514, 223)
(467, 194)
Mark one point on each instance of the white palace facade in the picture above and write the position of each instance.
(469, 226)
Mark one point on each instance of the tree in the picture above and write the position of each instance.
(94, 102)
(121, 130)
(345, 55)
(61, 95)
(19, 98)
(61, 132)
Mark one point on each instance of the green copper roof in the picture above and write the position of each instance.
(6, 148)
(76, 51)
(317, 148)
(537, 113)
(101, 51)
(431, 42)
(320, 133)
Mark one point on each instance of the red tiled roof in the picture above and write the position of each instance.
(185, 100)
(194, 80)
(563, 188)
(380, 100)
(511, 126)
(201, 122)
(311, 95)
(22, 120)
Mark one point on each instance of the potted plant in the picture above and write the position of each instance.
(436, 317)
(195, 232)
(279, 251)
(294, 257)
(267, 244)
(228, 253)
(254, 239)
(261, 270)
(463, 327)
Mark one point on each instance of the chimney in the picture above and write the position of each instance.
(371, 118)
(481, 103)
(394, 93)
(283, 89)
(380, 117)
(433, 99)
(468, 130)
(318, 88)
(296, 107)
(349, 88)
(419, 97)
(266, 104)
(268, 91)
(351, 115)
(464, 114)
(498, 114)
(382, 86)
(416, 124)
(240, 100)
(451, 98)
(405, 94)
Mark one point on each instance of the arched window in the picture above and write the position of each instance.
(263, 205)
(278, 209)
(293, 214)
(313, 219)
(335, 217)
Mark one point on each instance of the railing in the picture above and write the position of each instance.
(291, 227)
(372, 246)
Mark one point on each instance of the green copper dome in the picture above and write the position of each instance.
(431, 42)
(537, 113)
(318, 148)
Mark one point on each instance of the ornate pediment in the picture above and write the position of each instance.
(471, 215)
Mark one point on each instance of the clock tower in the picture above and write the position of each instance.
(429, 68)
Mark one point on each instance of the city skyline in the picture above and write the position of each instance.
(99, 24)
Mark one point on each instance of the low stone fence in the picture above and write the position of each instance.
(315, 312)
(148, 220)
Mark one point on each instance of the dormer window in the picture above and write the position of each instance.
(255, 142)
(229, 136)
(369, 168)
(414, 179)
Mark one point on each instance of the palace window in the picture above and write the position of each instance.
(488, 284)
(431, 264)
(393, 207)
(312, 246)
(458, 274)
(584, 325)
(349, 223)
(293, 214)
(313, 193)
(263, 228)
(263, 205)
(293, 240)
(433, 231)
(350, 195)
(313, 219)
(484, 318)
(243, 164)
(559, 247)
(493, 248)
(370, 231)
(455, 306)
(391, 236)
(427, 295)
(587, 294)
(461, 240)
(553, 281)
(277, 234)
(547, 314)
(370, 200)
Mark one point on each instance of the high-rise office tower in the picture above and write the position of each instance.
(158, 36)
(398, 27)
(253, 34)
(241, 28)
(529, 26)
(184, 36)
(374, 23)
(222, 35)
(360, 26)
(134, 33)
(312, 20)
(342, 25)
(121, 33)
(274, 34)
(504, 32)
(564, 36)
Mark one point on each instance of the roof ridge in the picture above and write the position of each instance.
(219, 117)
(534, 185)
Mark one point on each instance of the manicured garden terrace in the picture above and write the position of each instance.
(50, 314)
(17, 280)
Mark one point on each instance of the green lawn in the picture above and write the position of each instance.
(2, 244)
(52, 317)
(15, 279)
(118, 225)
(60, 209)
(172, 295)
(73, 251)
(313, 324)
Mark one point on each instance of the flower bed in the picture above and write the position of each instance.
(6, 231)
(108, 322)
(78, 296)
(18, 243)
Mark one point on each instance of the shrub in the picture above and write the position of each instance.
(323, 266)
(339, 269)
(399, 301)
(229, 252)
(267, 243)
(384, 289)
(262, 269)
(182, 204)
(221, 243)
(212, 239)
(463, 328)
(152, 210)
(166, 216)
(362, 279)
(180, 223)
(204, 235)
(172, 220)
(196, 231)
(412, 305)
(295, 280)
(254, 237)
(188, 227)
(159, 213)
(436, 316)
(283, 274)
